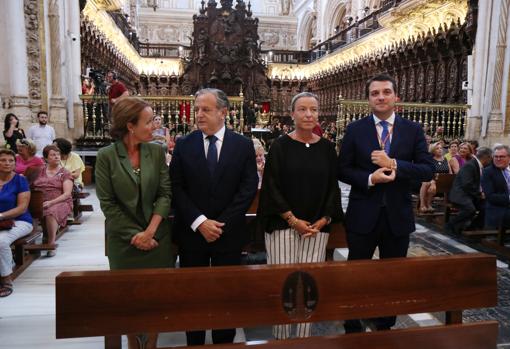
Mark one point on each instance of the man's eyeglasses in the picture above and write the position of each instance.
(500, 156)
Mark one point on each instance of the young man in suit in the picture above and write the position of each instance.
(214, 181)
(466, 192)
(380, 155)
(496, 188)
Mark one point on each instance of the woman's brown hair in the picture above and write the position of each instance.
(48, 148)
(126, 110)
(8, 152)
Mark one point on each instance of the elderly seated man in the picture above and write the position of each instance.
(466, 192)
(496, 186)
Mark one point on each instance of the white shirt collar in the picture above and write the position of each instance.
(220, 134)
(390, 120)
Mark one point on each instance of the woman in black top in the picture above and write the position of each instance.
(12, 132)
(299, 196)
(428, 189)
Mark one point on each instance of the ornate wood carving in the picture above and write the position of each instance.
(100, 54)
(225, 51)
(428, 68)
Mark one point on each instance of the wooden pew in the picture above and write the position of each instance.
(112, 303)
(36, 210)
(498, 244)
(444, 183)
(78, 208)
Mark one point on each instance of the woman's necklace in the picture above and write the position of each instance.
(296, 138)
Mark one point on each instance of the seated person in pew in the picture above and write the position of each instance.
(464, 154)
(428, 189)
(300, 195)
(15, 220)
(466, 194)
(496, 187)
(56, 184)
(71, 161)
(26, 157)
(453, 149)
(260, 157)
(133, 188)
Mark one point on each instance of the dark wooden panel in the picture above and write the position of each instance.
(481, 335)
(158, 300)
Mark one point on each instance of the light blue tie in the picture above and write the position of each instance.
(506, 174)
(385, 136)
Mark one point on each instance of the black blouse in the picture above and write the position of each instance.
(301, 178)
(11, 141)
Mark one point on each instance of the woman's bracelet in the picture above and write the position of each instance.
(292, 222)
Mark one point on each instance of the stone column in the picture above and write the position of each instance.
(488, 99)
(57, 108)
(13, 55)
(72, 68)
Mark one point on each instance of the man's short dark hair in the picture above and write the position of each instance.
(221, 97)
(483, 152)
(380, 77)
(41, 113)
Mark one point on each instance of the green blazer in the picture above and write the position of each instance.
(128, 202)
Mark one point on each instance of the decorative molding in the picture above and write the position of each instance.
(31, 9)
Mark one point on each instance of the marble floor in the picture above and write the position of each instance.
(27, 317)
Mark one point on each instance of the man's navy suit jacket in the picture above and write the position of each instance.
(497, 200)
(225, 196)
(414, 163)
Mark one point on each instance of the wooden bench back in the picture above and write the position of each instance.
(480, 335)
(105, 303)
(444, 182)
(35, 206)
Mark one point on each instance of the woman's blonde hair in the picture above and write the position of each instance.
(32, 148)
(433, 147)
(126, 110)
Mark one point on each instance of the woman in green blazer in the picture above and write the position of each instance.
(133, 187)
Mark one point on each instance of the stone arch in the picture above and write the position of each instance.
(305, 30)
(333, 17)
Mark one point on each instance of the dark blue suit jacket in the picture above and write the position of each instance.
(224, 197)
(497, 201)
(414, 162)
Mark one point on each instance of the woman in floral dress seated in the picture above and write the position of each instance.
(56, 184)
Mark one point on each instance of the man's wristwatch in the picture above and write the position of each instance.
(328, 219)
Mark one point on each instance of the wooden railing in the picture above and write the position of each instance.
(177, 113)
(164, 50)
(445, 121)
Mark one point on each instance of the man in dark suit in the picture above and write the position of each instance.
(214, 181)
(466, 192)
(379, 157)
(496, 188)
